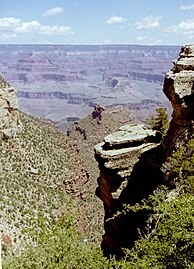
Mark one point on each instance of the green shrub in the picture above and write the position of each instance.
(183, 167)
(58, 247)
(169, 241)
(160, 122)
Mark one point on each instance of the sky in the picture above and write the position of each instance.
(144, 22)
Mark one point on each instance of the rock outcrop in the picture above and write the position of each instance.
(9, 117)
(127, 174)
(179, 88)
(132, 164)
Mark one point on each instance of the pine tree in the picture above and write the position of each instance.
(160, 122)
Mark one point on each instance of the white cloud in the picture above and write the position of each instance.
(149, 40)
(141, 38)
(171, 29)
(45, 42)
(11, 22)
(13, 26)
(186, 25)
(52, 12)
(184, 28)
(188, 7)
(7, 36)
(107, 41)
(157, 41)
(55, 30)
(148, 22)
(28, 27)
(116, 19)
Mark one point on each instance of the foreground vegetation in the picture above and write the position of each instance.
(168, 245)
(49, 223)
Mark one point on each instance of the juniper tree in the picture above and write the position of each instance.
(160, 122)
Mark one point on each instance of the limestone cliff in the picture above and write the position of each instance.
(179, 89)
(9, 118)
(131, 161)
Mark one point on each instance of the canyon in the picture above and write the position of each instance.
(45, 173)
(60, 82)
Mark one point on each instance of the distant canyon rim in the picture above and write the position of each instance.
(63, 82)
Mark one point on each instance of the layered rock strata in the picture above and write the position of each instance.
(133, 166)
(9, 117)
(118, 155)
(179, 89)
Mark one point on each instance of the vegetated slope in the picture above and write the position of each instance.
(86, 133)
(167, 243)
(38, 176)
(89, 131)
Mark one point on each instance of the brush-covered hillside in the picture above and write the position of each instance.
(38, 177)
(92, 129)
(45, 174)
(46, 184)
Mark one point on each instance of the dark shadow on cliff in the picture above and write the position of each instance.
(145, 178)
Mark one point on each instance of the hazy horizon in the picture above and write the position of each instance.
(105, 45)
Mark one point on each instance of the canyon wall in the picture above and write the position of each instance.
(179, 89)
(132, 161)
(129, 162)
(61, 81)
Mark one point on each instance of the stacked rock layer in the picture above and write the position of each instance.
(179, 89)
(133, 165)
(117, 156)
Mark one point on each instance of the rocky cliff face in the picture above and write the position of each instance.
(131, 161)
(179, 88)
(129, 172)
(9, 118)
